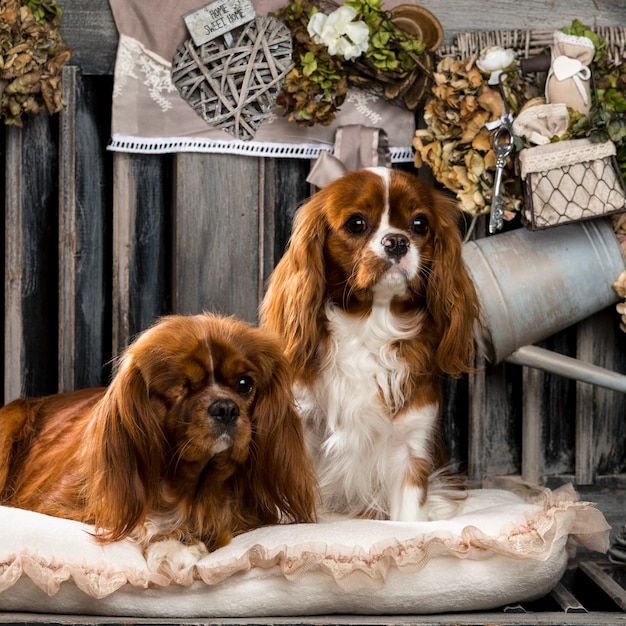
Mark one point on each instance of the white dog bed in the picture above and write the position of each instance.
(499, 550)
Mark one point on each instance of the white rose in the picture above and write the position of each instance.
(493, 60)
(339, 33)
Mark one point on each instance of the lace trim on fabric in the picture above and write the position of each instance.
(561, 37)
(133, 59)
(162, 145)
(552, 156)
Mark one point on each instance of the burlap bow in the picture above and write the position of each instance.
(355, 147)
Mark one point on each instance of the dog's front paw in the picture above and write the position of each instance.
(408, 506)
(172, 555)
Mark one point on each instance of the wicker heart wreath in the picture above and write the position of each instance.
(233, 87)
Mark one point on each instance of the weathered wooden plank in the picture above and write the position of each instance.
(88, 25)
(503, 420)
(81, 241)
(285, 190)
(454, 428)
(558, 407)
(530, 15)
(123, 226)
(30, 259)
(141, 244)
(216, 225)
(477, 411)
(13, 269)
(600, 429)
(533, 459)
(609, 585)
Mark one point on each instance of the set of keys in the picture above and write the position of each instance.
(503, 145)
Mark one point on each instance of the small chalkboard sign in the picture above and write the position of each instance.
(218, 18)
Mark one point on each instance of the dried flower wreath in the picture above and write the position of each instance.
(357, 43)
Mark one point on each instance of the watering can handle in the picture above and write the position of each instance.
(567, 366)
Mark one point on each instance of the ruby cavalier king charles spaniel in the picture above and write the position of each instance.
(194, 441)
(374, 303)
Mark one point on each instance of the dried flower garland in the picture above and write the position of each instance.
(456, 142)
(336, 46)
(457, 145)
(32, 54)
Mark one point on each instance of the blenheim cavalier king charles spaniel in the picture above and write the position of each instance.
(374, 303)
(195, 440)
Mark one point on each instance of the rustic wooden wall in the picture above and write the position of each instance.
(98, 244)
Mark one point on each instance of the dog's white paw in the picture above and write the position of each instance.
(173, 555)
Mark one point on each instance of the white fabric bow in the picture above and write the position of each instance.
(564, 67)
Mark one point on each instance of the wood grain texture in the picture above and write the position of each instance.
(81, 240)
(88, 25)
(30, 259)
(217, 259)
(142, 241)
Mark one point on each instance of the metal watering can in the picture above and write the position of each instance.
(534, 284)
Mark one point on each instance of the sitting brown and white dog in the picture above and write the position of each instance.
(195, 440)
(373, 302)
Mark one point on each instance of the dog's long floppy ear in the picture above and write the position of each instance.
(452, 298)
(297, 287)
(127, 441)
(279, 482)
(13, 418)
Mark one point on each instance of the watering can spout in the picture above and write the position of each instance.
(532, 285)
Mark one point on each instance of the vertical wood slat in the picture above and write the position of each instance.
(81, 241)
(141, 245)
(585, 466)
(584, 470)
(533, 460)
(13, 268)
(217, 252)
(67, 232)
(285, 190)
(477, 411)
(600, 429)
(123, 225)
(30, 260)
(493, 422)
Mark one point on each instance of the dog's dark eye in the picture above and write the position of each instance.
(419, 225)
(244, 386)
(356, 225)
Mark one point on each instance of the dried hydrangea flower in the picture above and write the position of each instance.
(456, 144)
(32, 55)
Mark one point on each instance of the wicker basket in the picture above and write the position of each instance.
(528, 43)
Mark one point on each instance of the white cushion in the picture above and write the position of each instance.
(498, 550)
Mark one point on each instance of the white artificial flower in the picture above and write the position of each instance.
(494, 60)
(339, 33)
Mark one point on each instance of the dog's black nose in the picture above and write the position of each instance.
(224, 411)
(396, 245)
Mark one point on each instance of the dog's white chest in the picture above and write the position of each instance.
(362, 372)
(359, 430)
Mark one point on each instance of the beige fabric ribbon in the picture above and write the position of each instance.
(355, 147)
